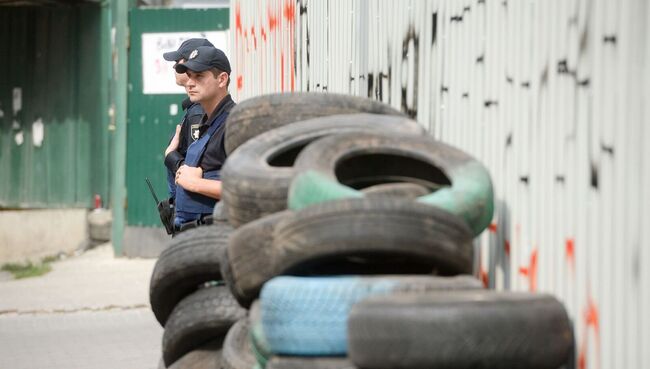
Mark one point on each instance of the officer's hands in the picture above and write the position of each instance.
(173, 145)
(187, 176)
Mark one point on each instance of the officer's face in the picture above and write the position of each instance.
(202, 86)
(181, 78)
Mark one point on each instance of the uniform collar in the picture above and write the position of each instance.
(207, 120)
(186, 103)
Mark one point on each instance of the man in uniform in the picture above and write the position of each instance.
(198, 185)
(187, 130)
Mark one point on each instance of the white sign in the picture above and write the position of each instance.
(38, 132)
(157, 73)
(18, 99)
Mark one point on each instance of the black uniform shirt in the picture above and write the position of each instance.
(215, 152)
(193, 118)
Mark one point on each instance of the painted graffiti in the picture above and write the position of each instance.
(266, 35)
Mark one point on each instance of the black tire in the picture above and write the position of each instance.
(207, 356)
(263, 113)
(352, 236)
(362, 160)
(193, 258)
(219, 213)
(256, 177)
(237, 352)
(247, 258)
(203, 316)
(398, 234)
(477, 329)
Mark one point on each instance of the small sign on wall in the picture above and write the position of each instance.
(157, 73)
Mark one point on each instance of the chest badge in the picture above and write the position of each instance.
(195, 131)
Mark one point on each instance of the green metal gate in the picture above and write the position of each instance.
(152, 111)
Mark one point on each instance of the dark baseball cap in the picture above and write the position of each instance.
(186, 48)
(203, 58)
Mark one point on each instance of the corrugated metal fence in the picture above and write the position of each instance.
(54, 139)
(548, 94)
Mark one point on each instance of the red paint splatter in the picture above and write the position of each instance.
(238, 18)
(282, 71)
(254, 37)
(492, 227)
(290, 16)
(530, 271)
(582, 361)
(263, 32)
(570, 252)
(483, 275)
(591, 320)
(506, 247)
(591, 316)
(289, 11)
(240, 82)
(273, 21)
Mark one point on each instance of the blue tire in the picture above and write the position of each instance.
(308, 316)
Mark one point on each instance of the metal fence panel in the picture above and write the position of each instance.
(53, 107)
(549, 95)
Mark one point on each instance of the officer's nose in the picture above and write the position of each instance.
(190, 82)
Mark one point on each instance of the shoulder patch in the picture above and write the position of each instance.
(194, 129)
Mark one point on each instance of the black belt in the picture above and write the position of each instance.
(206, 220)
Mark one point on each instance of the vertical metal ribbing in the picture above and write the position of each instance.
(643, 322)
(550, 96)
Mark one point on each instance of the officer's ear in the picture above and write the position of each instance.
(222, 77)
(227, 78)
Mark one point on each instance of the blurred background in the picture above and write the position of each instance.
(550, 95)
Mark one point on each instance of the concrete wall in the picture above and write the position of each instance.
(34, 234)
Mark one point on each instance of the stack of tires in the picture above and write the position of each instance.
(352, 247)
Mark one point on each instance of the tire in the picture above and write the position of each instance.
(237, 352)
(334, 166)
(246, 262)
(203, 316)
(259, 344)
(308, 315)
(473, 329)
(207, 356)
(219, 213)
(350, 236)
(409, 235)
(404, 190)
(254, 116)
(297, 362)
(193, 258)
(256, 177)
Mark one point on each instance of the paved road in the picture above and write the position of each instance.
(91, 311)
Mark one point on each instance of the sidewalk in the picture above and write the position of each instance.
(90, 311)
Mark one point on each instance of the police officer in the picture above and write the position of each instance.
(198, 185)
(188, 128)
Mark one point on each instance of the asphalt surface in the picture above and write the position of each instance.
(91, 311)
